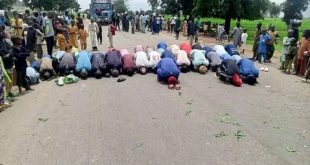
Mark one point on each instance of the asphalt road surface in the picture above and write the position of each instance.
(140, 121)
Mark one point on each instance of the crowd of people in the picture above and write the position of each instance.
(21, 50)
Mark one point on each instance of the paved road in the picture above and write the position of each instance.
(140, 121)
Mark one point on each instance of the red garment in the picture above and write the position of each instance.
(186, 47)
(172, 80)
(302, 66)
(128, 62)
(236, 80)
(113, 29)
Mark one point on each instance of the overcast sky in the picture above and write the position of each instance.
(142, 4)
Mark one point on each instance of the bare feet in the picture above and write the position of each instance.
(177, 87)
(171, 86)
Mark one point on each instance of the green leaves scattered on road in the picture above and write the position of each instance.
(189, 102)
(229, 120)
(220, 134)
(289, 149)
(180, 93)
(188, 112)
(42, 119)
(239, 135)
(138, 145)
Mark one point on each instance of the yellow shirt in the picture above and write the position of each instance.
(83, 35)
(17, 25)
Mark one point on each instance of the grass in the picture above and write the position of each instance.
(250, 25)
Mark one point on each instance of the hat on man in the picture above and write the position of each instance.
(98, 74)
(172, 80)
(251, 80)
(83, 74)
(202, 69)
(115, 73)
(143, 70)
(236, 80)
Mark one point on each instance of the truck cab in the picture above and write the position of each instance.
(101, 11)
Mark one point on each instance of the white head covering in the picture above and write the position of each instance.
(174, 49)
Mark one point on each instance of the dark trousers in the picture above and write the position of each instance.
(99, 38)
(49, 44)
(21, 78)
(177, 34)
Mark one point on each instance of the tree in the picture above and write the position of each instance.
(170, 6)
(41, 4)
(293, 9)
(274, 10)
(61, 5)
(7, 4)
(153, 3)
(69, 4)
(120, 6)
(231, 9)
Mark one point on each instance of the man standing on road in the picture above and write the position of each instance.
(93, 29)
(177, 27)
(17, 25)
(256, 39)
(49, 32)
(80, 23)
(197, 26)
(191, 30)
(143, 22)
(236, 35)
(271, 45)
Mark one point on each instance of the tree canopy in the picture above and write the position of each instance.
(52, 4)
(293, 9)
(120, 6)
(274, 10)
(153, 3)
(6, 4)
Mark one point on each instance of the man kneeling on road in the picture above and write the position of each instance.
(83, 66)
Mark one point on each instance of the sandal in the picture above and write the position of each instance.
(121, 79)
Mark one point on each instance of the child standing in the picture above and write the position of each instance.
(19, 55)
(62, 42)
(262, 45)
(39, 42)
(289, 56)
(286, 45)
(73, 33)
(99, 34)
(83, 38)
(244, 38)
(111, 33)
(31, 42)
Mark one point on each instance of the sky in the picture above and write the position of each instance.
(142, 4)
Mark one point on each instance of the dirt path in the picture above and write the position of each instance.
(140, 121)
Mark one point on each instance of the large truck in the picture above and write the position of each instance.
(101, 11)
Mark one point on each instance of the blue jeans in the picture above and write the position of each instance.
(262, 57)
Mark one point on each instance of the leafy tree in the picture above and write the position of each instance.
(186, 6)
(120, 6)
(153, 3)
(293, 9)
(231, 9)
(7, 4)
(41, 4)
(170, 6)
(61, 5)
(274, 10)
